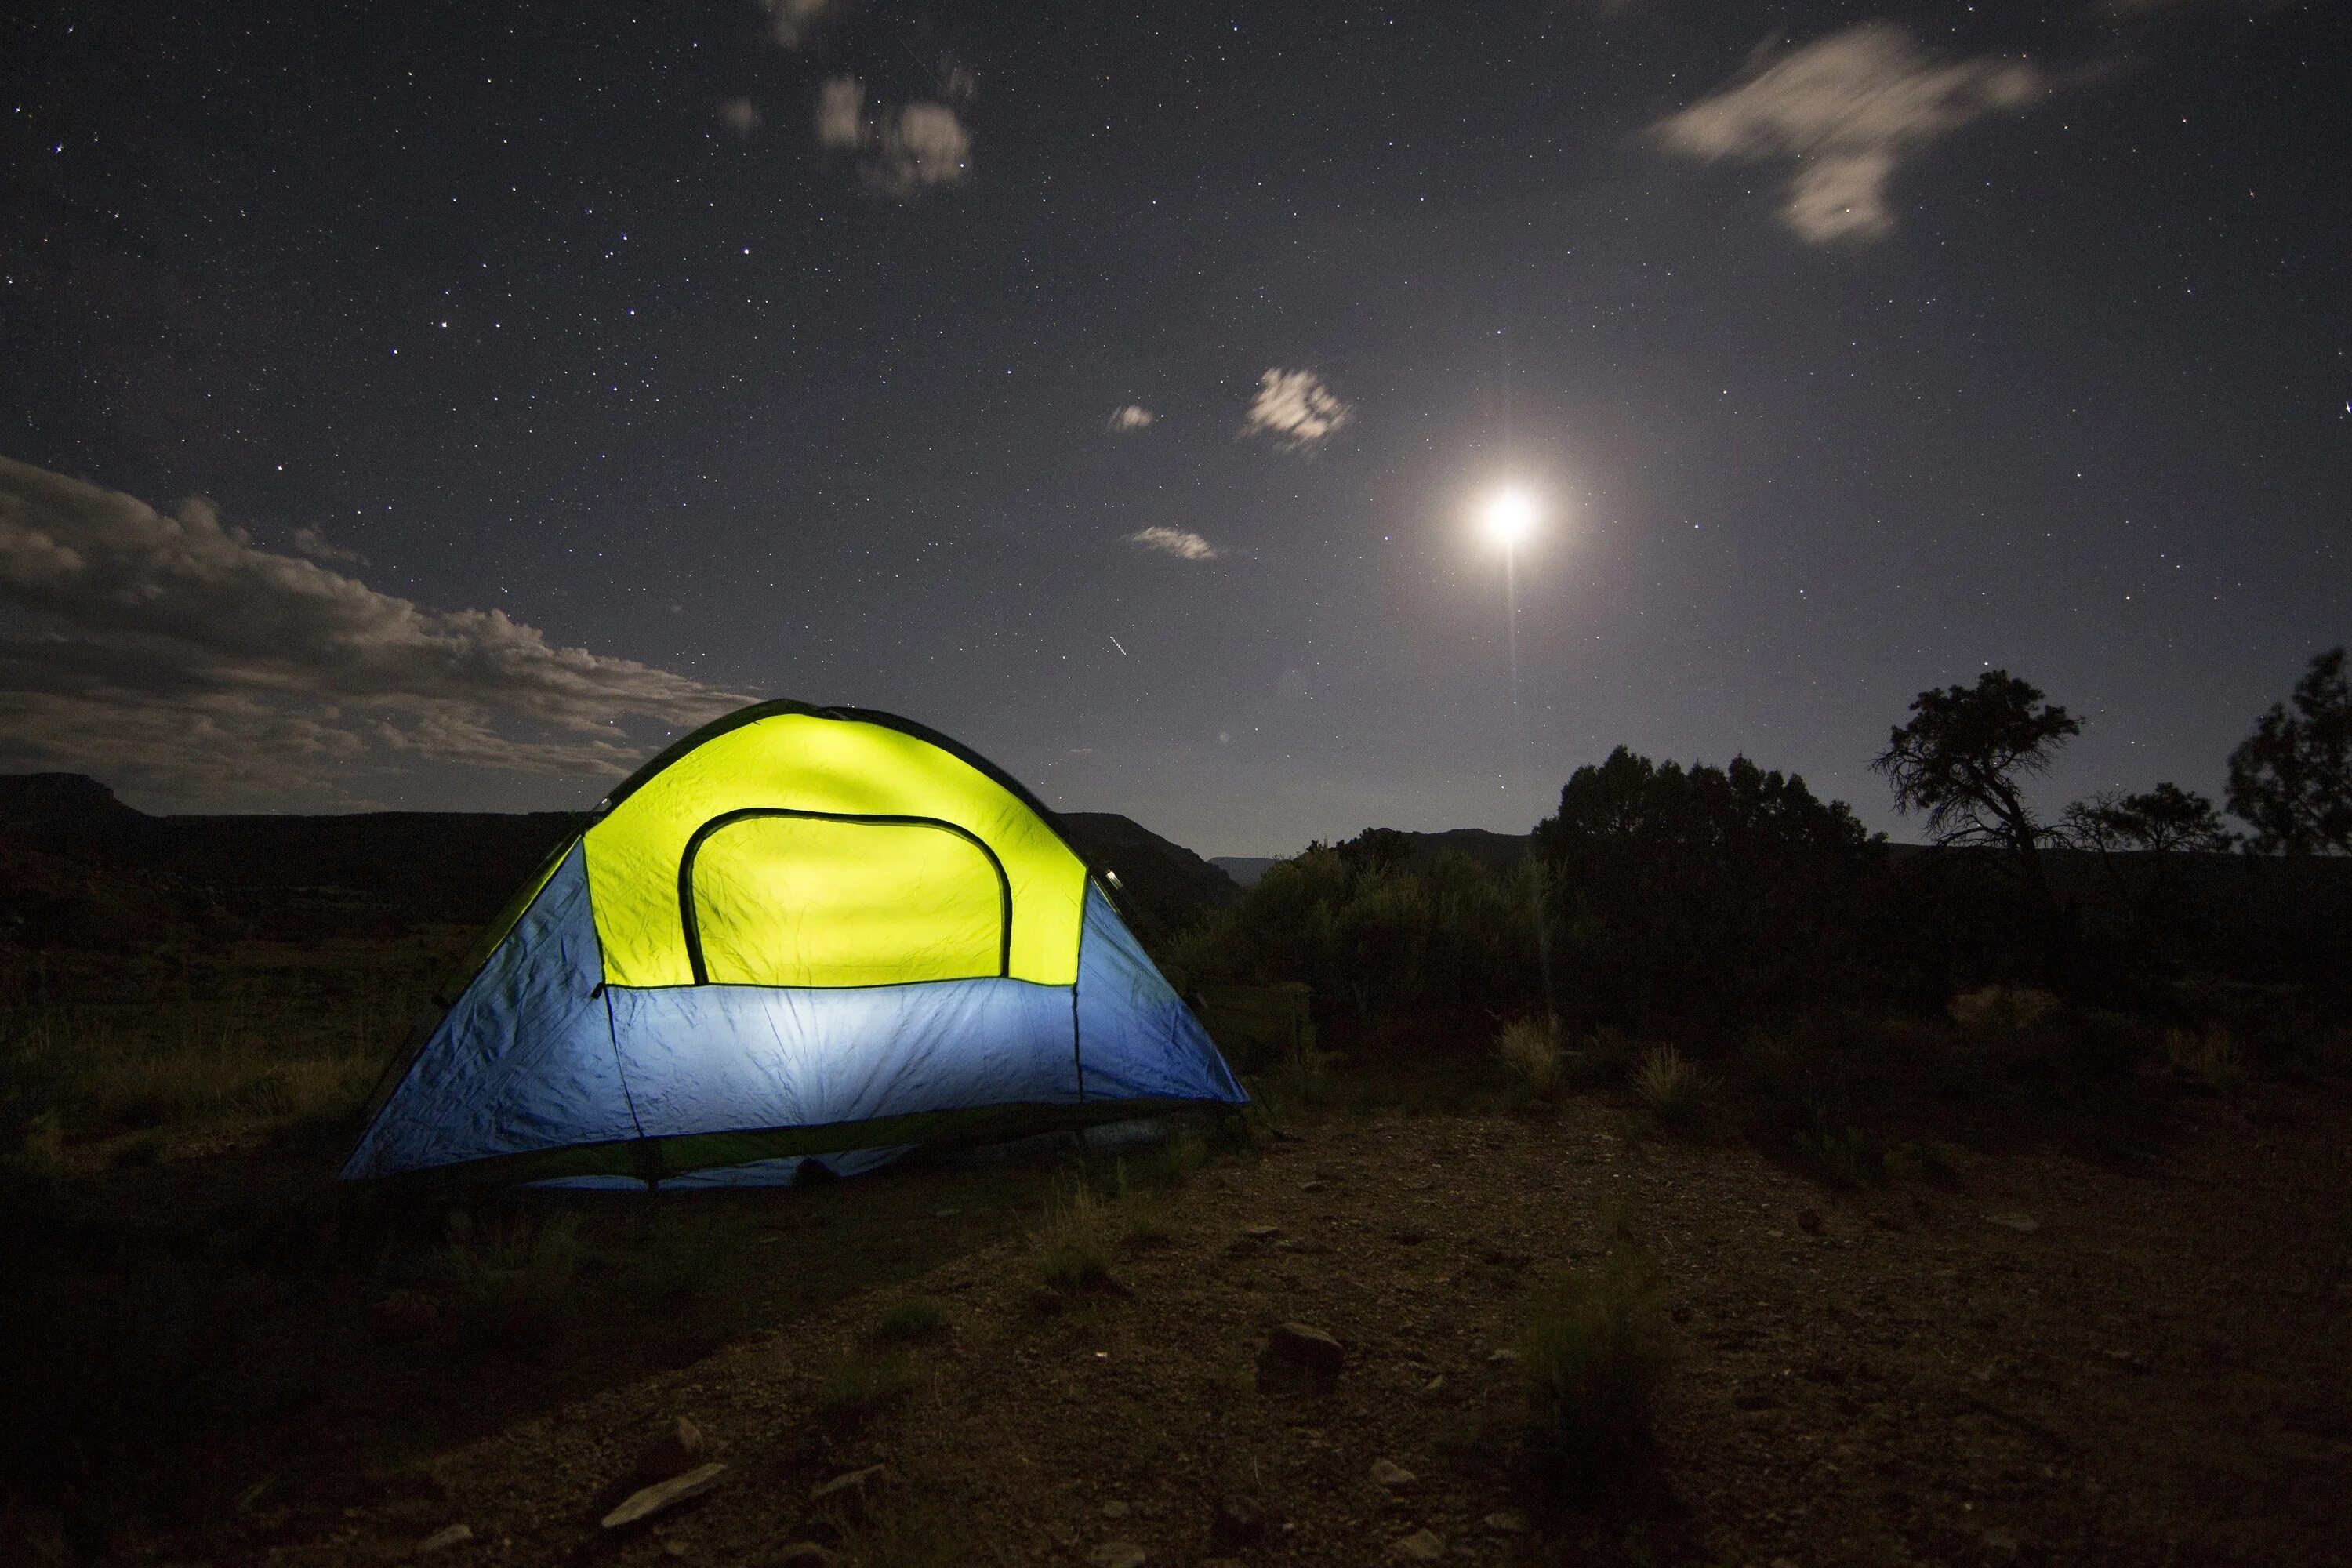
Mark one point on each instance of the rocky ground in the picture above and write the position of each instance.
(2039, 1360)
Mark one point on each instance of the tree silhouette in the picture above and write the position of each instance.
(2290, 780)
(2165, 819)
(1960, 761)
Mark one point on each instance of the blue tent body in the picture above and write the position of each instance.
(544, 1070)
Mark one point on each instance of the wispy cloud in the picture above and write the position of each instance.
(309, 540)
(1846, 110)
(792, 22)
(1180, 542)
(902, 149)
(1134, 417)
(1295, 409)
(740, 115)
(173, 657)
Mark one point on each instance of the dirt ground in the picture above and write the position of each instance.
(2038, 1361)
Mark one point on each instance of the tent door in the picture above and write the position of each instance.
(775, 896)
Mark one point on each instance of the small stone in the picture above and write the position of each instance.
(1509, 1522)
(1114, 1510)
(1310, 1186)
(1393, 1476)
(1434, 1385)
(1809, 1221)
(674, 1549)
(2130, 1361)
(1117, 1555)
(1299, 1352)
(855, 1486)
(456, 1535)
(673, 1453)
(1502, 1358)
(1261, 1232)
(1420, 1546)
(2001, 1541)
(2024, 1222)
(1236, 1526)
(650, 1501)
(947, 1214)
(805, 1555)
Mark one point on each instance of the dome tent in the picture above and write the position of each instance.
(797, 933)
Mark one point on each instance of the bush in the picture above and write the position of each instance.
(1595, 1355)
(1074, 1253)
(855, 1388)
(1998, 1012)
(1668, 1084)
(2208, 1058)
(1842, 1156)
(911, 1321)
(1530, 1050)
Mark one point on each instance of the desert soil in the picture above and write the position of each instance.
(2042, 1361)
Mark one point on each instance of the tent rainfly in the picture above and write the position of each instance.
(798, 934)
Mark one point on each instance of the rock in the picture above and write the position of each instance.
(645, 1503)
(1809, 1221)
(673, 1453)
(2001, 1541)
(1503, 1358)
(2024, 1222)
(1434, 1385)
(852, 1488)
(1261, 1232)
(805, 1555)
(456, 1535)
(1310, 1186)
(1300, 1353)
(1114, 1510)
(1236, 1525)
(674, 1549)
(1509, 1522)
(1420, 1546)
(1394, 1476)
(1117, 1555)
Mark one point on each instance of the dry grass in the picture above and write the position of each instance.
(2001, 1009)
(1595, 1356)
(1530, 1050)
(1668, 1084)
(2209, 1058)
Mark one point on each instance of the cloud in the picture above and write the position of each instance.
(1846, 110)
(307, 541)
(792, 22)
(904, 148)
(1183, 544)
(740, 115)
(841, 114)
(1295, 409)
(1134, 417)
(173, 657)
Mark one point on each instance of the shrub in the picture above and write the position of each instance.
(1530, 1050)
(911, 1321)
(1668, 1084)
(1841, 1156)
(2001, 1010)
(1594, 1355)
(1074, 1253)
(857, 1387)
(2208, 1057)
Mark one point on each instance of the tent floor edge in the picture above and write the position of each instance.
(653, 1159)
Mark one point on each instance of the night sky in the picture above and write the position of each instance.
(439, 406)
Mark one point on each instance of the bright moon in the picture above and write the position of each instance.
(1510, 517)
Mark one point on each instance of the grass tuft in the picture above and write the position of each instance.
(2000, 1010)
(1530, 1050)
(1594, 1357)
(2208, 1058)
(1669, 1086)
(1073, 1247)
(915, 1320)
(858, 1387)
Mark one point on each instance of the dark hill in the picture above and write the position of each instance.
(1165, 883)
(295, 876)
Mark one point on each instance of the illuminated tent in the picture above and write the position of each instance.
(797, 933)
